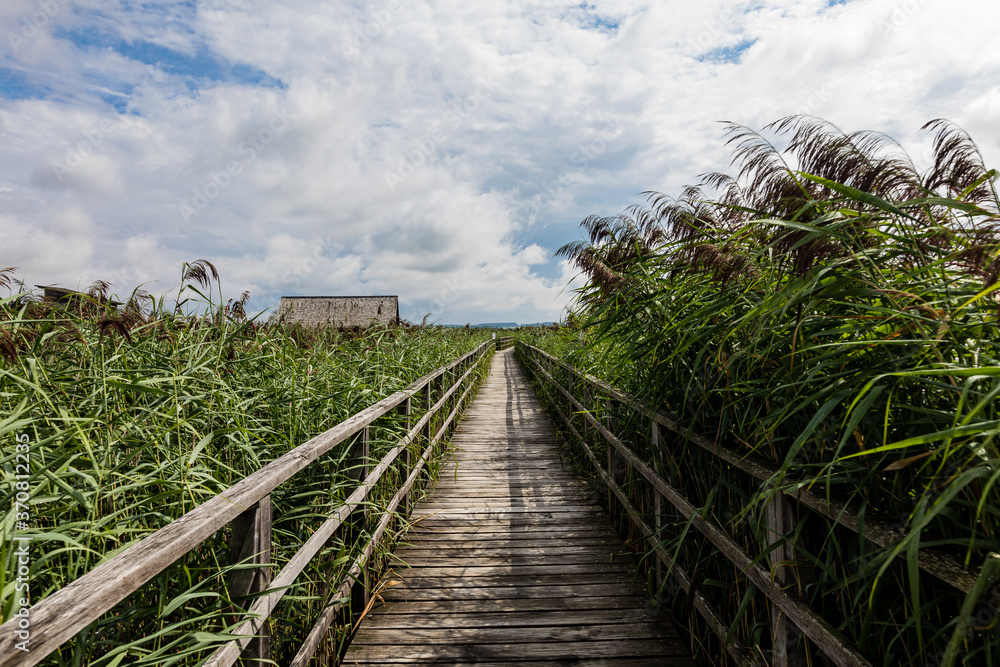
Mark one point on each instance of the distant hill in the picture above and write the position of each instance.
(498, 325)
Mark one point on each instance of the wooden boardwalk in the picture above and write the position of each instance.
(511, 560)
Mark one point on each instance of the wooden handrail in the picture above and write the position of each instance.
(940, 565)
(829, 640)
(69, 610)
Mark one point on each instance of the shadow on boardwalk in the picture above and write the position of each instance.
(511, 561)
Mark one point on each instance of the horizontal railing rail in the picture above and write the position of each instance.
(504, 342)
(247, 507)
(577, 407)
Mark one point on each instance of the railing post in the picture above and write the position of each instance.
(405, 409)
(453, 401)
(251, 544)
(428, 430)
(789, 649)
(657, 448)
(359, 464)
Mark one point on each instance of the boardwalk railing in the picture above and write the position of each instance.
(580, 399)
(246, 508)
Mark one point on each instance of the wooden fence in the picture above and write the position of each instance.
(246, 507)
(577, 397)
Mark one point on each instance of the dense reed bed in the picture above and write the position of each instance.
(832, 309)
(137, 414)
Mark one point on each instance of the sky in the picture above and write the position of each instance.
(439, 150)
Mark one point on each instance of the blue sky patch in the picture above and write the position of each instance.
(727, 54)
(15, 85)
(202, 66)
(591, 20)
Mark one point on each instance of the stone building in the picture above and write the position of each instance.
(340, 311)
(74, 299)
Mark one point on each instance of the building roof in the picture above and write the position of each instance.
(370, 296)
(61, 293)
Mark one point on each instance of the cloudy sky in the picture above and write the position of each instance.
(440, 150)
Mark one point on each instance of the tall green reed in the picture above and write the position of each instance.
(831, 309)
(138, 414)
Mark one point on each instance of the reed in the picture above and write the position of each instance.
(137, 414)
(832, 309)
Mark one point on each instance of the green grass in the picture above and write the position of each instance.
(137, 416)
(832, 310)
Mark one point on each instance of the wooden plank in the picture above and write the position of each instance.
(510, 581)
(505, 592)
(575, 662)
(412, 553)
(488, 619)
(431, 569)
(622, 603)
(626, 648)
(375, 634)
(510, 559)
(504, 543)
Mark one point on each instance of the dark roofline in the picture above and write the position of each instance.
(63, 290)
(376, 296)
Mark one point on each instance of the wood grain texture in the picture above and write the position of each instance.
(510, 559)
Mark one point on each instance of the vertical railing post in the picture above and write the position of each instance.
(428, 429)
(657, 448)
(619, 468)
(251, 545)
(359, 464)
(612, 452)
(405, 409)
(789, 649)
(453, 401)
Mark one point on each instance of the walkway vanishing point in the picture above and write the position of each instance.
(511, 560)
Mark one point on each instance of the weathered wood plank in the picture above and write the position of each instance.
(374, 634)
(486, 619)
(575, 662)
(622, 603)
(510, 560)
(626, 648)
(435, 570)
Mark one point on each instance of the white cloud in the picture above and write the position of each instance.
(501, 125)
